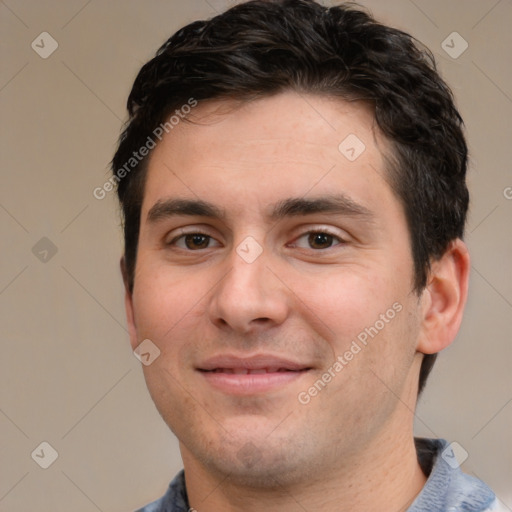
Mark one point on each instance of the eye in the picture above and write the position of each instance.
(194, 241)
(317, 240)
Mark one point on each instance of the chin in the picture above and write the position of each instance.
(258, 474)
(256, 463)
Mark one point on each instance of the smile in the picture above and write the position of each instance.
(247, 371)
(250, 375)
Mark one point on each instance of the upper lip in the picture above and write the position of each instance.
(255, 362)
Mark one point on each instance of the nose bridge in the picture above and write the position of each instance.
(251, 274)
(248, 293)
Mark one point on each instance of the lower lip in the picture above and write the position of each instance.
(248, 384)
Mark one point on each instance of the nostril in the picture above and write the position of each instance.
(261, 320)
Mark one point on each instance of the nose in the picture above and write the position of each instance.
(249, 298)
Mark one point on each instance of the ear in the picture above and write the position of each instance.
(444, 299)
(128, 304)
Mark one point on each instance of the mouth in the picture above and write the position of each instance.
(251, 375)
(249, 371)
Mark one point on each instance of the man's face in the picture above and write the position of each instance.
(265, 253)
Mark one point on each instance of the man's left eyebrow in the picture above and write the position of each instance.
(165, 208)
(336, 204)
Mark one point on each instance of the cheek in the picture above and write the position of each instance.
(171, 311)
(369, 321)
(347, 301)
(163, 300)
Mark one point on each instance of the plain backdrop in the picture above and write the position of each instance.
(68, 376)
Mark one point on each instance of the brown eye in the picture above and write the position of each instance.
(193, 242)
(320, 240)
(197, 241)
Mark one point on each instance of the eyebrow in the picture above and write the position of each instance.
(292, 207)
(337, 204)
(165, 208)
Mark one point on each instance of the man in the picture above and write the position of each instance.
(292, 181)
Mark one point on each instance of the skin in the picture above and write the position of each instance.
(351, 447)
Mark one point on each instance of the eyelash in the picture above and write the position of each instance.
(327, 232)
(184, 235)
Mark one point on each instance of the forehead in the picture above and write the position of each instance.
(261, 149)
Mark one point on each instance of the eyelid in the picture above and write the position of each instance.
(178, 233)
(323, 230)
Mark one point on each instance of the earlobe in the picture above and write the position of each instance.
(444, 299)
(128, 304)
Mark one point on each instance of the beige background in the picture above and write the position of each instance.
(68, 376)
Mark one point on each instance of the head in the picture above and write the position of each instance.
(339, 72)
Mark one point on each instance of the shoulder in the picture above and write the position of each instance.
(448, 488)
(174, 500)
